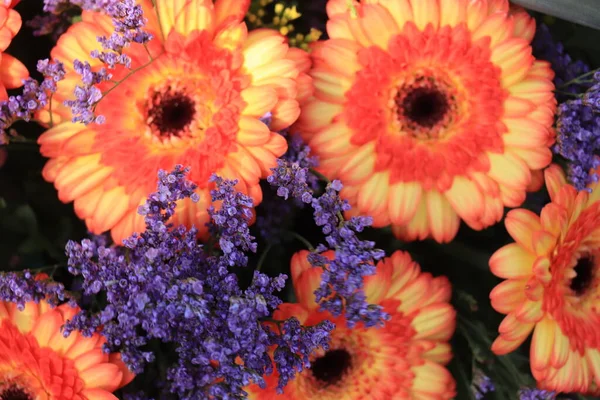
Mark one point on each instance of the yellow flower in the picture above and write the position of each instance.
(403, 360)
(430, 111)
(12, 71)
(552, 287)
(38, 362)
(196, 98)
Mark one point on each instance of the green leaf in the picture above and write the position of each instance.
(583, 12)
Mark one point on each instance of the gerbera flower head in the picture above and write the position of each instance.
(38, 362)
(552, 287)
(430, 111)
(12, 71)
(403, 359)
(194, 95)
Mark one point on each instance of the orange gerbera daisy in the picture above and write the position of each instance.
(430, 111)
(12, 71)
(403, 360)
(38, 362)
(197, 102)
(553, 287)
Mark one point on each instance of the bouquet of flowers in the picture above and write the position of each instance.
(325, 199)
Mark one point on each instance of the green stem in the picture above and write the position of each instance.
(503, 360)
(319, 175)
(579, 78)
(49, 267)
(133, 71)
(302, 239)
(263, 257)
(567, 93)
(51, 123)
(162, 33)
(148, 52)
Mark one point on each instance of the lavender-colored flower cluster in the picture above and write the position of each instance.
(341, 288)
(50, 24)
(25, 286)
(278, 210)
(565, 68)
(230, 223)
(128, 21)
(481, 385)
(294, 344)
(536, 394)
(578, 136)
(34, 97)
(164, 286)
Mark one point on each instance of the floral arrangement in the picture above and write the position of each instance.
(331, 199)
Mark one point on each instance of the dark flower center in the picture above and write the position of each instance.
(425, 106)
(332, 366)
(170, 112)
(14, 393)
(585, 272)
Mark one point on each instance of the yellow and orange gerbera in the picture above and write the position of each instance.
(403, 360)
(12, 71)
(197, 102)
(552, 287)
(38, 362)
(430, 111)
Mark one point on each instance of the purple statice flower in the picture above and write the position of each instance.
(481, 385)
(50, 24)
(162, 286)
(278, 211)
(294, 344)
(578, 136)
(128, 21)
(23, 287)
(565, 68)
(536, 394)
(230, 222)
(341, 288)
(34, 97)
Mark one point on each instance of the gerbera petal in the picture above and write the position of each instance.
(426, 12)
(417, 228)
(555, 180)
(230, 10)
(542, 343)
(508, 295)
(319, 114)
(12, 72)
(185, 16)
(403, 201)
(45, 326)
(339, 54)
(375, 194)
(443, 220)
(512, 261)
(521, 224)
(378, 24)
(271, 47)
(259, 100)
(433, 321)
(359, 165)
(466, 198)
